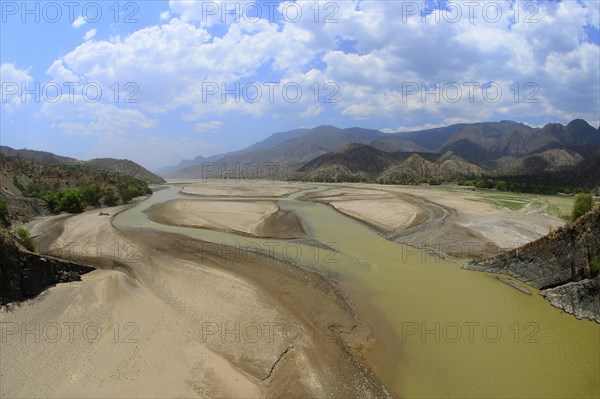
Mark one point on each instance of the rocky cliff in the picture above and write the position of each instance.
(24, 274)
(559, 264)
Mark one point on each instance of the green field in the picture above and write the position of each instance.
(554, 205)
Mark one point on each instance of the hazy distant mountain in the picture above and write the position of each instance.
(505, 146)
(266, 144)
(295, 146)
(397, 145)
(43, 157)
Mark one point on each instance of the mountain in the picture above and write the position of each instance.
(360, 162)
(554, 160)
(121, 166)
(266, 144)
(397, 145)
(300, 147)
(32, 188)
(448, 166)
(43, 157)
(125, 167)
(486, 143)
(504, 147)
(355, 158)
(559, 264)
(432, 139)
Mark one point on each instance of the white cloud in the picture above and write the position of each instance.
(184, 53)
(80, 21)
(207, 126)
(165, 15)
(59, 73)
(89, 34)
(79, 117)
(11, 81)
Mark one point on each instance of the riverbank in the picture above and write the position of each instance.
(447, 220)
(166, 315)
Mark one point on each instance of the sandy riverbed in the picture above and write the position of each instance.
(168, 316)
(242, 188)
(254, 218)
(454, 224)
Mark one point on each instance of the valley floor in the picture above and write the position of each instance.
(165, 315)
(449, 220)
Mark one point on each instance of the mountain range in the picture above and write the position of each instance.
(505, 147)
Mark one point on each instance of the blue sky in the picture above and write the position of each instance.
(158, 81)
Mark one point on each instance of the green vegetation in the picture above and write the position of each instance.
(583, 204)
(74, 200)
(595, 266)
(25, 238)
(108, 197)
(134, 189)
(521, 184)
(91, 194)
(4, 215)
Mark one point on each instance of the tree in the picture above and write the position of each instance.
(91, 194)
(583, 204)
(70, 201)
(108, 197)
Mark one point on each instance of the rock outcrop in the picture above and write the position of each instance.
(24, 274)
(559, 264)
(579, 298)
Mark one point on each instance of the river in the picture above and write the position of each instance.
(442, 331)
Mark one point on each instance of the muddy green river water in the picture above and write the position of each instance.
(443, 332)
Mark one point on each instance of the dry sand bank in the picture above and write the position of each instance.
(242, 188)
(451, 224)
(254, 218)
(167, 317)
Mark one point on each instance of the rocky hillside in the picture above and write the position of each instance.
(125, 167)
(121, 166)
(560, 264)
(42, 157)
(24, 184)
(355, 158)
(24, 274)
(360, 162)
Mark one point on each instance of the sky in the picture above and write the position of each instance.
(159, 81)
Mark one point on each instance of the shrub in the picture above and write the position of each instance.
(583, 204)
(25, 238)
(501, 185)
